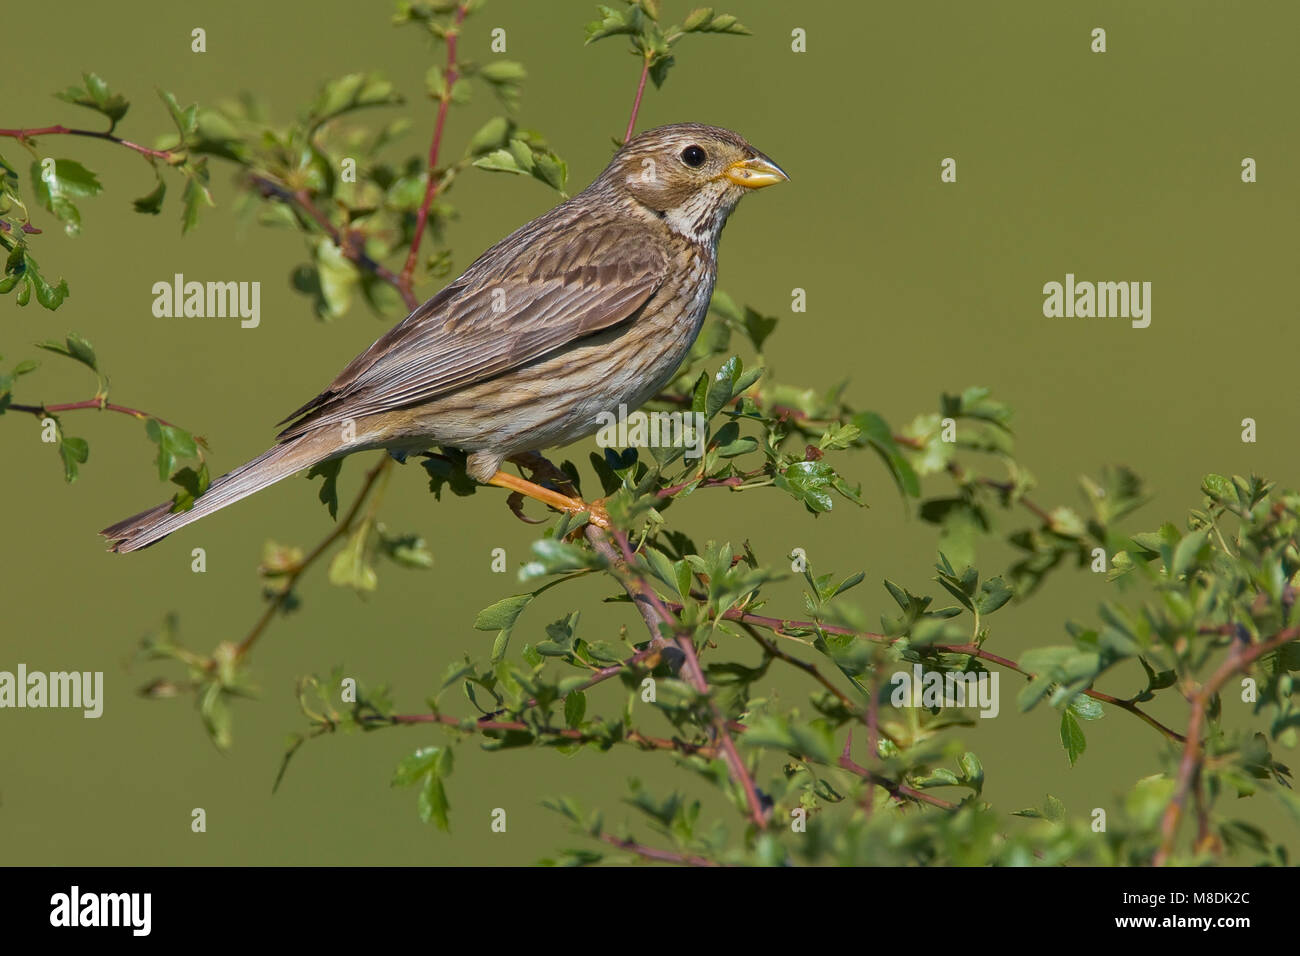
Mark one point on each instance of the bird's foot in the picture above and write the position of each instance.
(570, 504)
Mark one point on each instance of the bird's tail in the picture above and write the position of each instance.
(146, 528)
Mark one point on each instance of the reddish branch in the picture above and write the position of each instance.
(784, 626)
(23, 135)
(291, 578)
(1189, 768)
(1128, 705)
(431, 188)
(661, 856)
(900, 791)
(98, 403)
(636, 103)
(349, 242)
(656, 613)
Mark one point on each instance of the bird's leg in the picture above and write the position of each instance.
(541, 466)
(571, 504)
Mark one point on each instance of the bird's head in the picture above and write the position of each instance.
(690, 175)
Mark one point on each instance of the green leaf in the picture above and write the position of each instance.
(74, 452)
(351, 567)
(173, 443)
(1072, 738)
(503, 614)
(524, 159)
(408, 550)
(491, 136)
(192, 483)
(614, 22)
(58, 183)
(185, 119)
(351, 92)
(329, 489)
(994, 593)
(1086, 708)
(96, 95)
(196, 195)
(575, 708)
(427, 768)
(504, 76)
(704, 20)
(75, 348)
(152, 203)
(721, 389)
(339, 279)
(1188, 552)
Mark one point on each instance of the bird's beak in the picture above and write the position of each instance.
(755, 173)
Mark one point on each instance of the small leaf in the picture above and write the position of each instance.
(74, 347)
(74, 452)
(575, 708)
(1072, 736)
(503, 614)
(96, 95)
(351, 567)
(329, 489)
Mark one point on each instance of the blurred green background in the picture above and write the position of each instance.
(1119, 166)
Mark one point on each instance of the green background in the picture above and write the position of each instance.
(1118, 166)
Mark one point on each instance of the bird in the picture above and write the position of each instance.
(593, 305)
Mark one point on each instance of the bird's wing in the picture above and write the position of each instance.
(541, 288)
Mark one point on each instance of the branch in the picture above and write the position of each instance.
(805, 666)
(1189, 768)
(41, 410)
(431, 188)
(782, 625)
(1128, 705)
(899, 791)
(23, 135)
(636, 103)
(291, 579)
(482, 724)
(654, 612)
(346, 242)
(735, 481)
(661, 856)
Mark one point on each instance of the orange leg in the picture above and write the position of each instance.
(554, 499)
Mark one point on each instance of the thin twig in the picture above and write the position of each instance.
(431, 188)
(636, 103)
(97, 403)
(660, 856)
(1189, 768)
(805, 666)
(654, 612)
(346, 242)
(23, 135)
(291, 579)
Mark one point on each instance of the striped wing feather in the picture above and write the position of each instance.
(556, 280)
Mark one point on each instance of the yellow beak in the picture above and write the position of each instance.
(755, 173)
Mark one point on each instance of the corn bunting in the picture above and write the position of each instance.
(588, 307)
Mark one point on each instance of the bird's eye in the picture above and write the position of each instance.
(693, 156)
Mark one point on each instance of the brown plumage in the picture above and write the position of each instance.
(592, 305)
